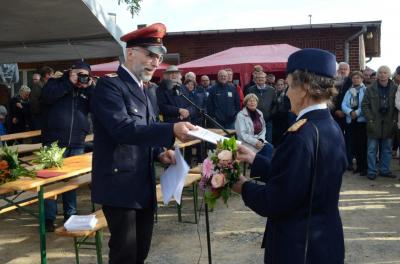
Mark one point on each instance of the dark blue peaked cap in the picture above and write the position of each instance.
(81, 65)
(318, 61)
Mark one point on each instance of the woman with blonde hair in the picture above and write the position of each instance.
(250, 124)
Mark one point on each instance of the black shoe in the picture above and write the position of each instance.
(387, 175)
(350, 168)
(371, 176)
(49, 225)
(356, 171)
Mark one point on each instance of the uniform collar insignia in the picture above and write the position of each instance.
(296, 126)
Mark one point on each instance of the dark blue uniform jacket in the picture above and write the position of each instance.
(126, 139)
(223, 103)
(284, 200)
(65, 115)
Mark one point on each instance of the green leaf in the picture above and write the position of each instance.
(210, 199)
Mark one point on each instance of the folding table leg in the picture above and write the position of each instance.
(42, 230)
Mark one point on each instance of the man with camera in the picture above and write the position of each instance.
(65, 101)
(379, 109)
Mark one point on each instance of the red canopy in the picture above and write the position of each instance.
(111, 67)
(241, 60)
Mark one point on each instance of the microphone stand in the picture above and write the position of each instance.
(202, 151)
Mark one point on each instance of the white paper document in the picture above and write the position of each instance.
(207, 135)
(80, 222)
(173, 179)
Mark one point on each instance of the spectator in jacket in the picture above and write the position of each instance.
(173, 108)
(355, 119)
(3, 116)
(223, 102)
(256, 69)
(280, 116)
(66, 108)
(266, 99)
(202, 91)
(37, 86)
(236, 86)
(379, 109)
(20, 114)
(250, 124)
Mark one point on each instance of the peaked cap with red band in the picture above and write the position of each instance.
(149, 37)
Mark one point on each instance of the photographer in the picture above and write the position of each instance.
(66, 107)
(379, 109)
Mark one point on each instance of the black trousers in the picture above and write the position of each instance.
(359, 138)
(131, 231)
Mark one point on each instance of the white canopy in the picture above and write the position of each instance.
(48, 30)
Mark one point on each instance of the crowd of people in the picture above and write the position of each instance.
(260, 112)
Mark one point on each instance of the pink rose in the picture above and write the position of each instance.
(218, 180)
(207, 168)
(225, 155)
(225, 158)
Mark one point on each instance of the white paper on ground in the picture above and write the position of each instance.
(173, 179)
(207, 135)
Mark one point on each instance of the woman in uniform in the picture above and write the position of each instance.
(304, 175)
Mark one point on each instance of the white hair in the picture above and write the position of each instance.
(386, 68)
(24, 88)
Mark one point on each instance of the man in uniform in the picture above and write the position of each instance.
(126, 141)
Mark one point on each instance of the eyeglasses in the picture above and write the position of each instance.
(150, 54)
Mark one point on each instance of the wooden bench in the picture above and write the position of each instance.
(50, 192)
(80, 237)
(190, 181)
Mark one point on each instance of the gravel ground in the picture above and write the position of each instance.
(370, 212)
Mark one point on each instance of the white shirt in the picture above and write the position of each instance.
(311, 108)
(140, 83)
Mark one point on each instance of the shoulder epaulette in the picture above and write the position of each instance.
(296, 126)
(111, 75)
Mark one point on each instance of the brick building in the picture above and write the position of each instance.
(343, 39)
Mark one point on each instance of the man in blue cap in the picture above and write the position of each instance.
(304, 174)
(65, 120)
(126, 142)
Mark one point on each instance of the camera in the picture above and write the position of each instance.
(83, 78)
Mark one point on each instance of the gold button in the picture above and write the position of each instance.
(135, 110)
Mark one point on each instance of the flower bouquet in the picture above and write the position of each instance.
(10, 168)
(220, 171)
(49, 157)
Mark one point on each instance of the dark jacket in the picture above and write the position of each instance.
(65, 112)
(266, 100)
(23, 116)
(126, 140)
(380, 125)
(286, 196)
(223, 104)
(169, 102)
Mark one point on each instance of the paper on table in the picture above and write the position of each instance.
(173, 179)
(207, 135)
(80, 222)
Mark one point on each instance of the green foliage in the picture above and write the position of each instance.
(11, 168)
(9, 155)
(133, 5)
(21, 171)
(225, 194)
(210, 199)
(49, 157)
